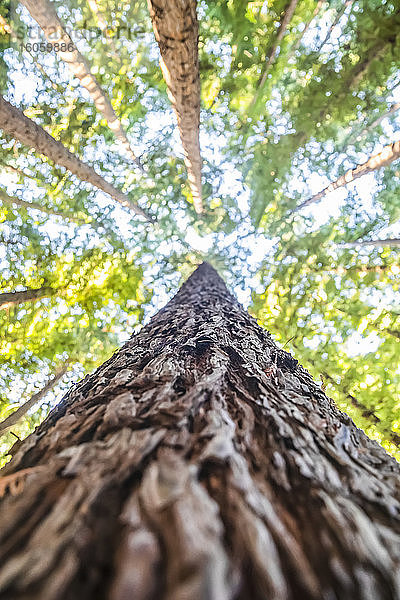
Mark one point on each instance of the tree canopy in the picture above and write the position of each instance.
(294, 96)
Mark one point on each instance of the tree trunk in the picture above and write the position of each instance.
(8, 299)
(21, 411)
(389, 154)
(199, 462)
(15, 123)
(45, 15)
(176, 31)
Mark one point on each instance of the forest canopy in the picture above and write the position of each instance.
(109, 198)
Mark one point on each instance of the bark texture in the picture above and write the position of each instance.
(15, 123)
(8, 299)
(199, 462)
(21, 411)
(176, 31)
(45, 15)
(389, 154)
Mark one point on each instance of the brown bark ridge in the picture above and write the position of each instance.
(388, 155)
(8, 299)
(21, 411)
(199, 462)
(15, 123)
(45, 15)
(176, 31)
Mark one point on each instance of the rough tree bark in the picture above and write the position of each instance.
(45, 15)
(388, 155)
(8, 299)
(15, 123)
(199, 462)
(176, 31)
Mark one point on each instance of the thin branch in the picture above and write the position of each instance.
(23, 409)
(10, 200)
(391, 242)
(270, 58)
(339, 15)
(296, 46)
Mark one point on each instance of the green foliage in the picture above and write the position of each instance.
(265, 149)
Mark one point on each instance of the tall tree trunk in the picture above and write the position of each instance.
(389, 154)
(8, 299)
(199, 462)
(21, 411)
(15, 123)
(176, 31)
(45, 15)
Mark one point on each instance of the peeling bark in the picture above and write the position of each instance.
(15, 123)
(388, 155)
(176, 31)
(199, 462)
(45, 15)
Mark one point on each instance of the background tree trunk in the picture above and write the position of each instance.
(8, 299)
(388, 155)
(176, 31)
(389, 242)
(199, 462)
(15, 123)
(21, 411)
(45, 15)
